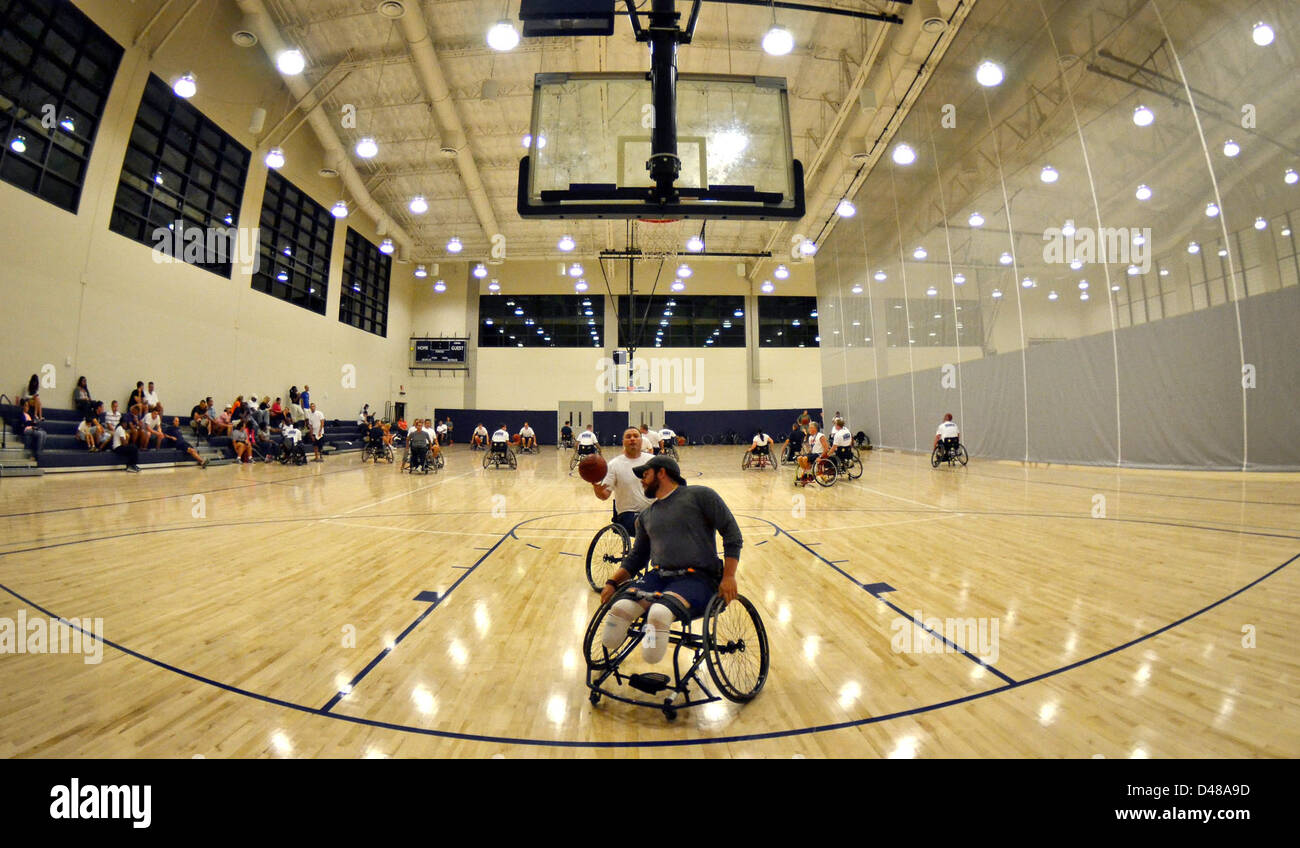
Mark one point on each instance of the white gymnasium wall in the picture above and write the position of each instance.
(93, 302)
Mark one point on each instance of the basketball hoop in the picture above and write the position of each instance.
(657, 238)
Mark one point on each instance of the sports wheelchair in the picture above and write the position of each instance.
(669, 448)
(849, 465)
(825, 471)
(754, 459)
(951, 451)
(425, 461)
(534, 448)
(579, 453)
(497, 458)
(377, 450)
(732, 643)
(605, 555)
(293, 452)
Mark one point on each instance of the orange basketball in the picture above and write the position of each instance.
(593, 468)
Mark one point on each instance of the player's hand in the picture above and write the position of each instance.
(606, 594)
(727, 589)
(601, 490)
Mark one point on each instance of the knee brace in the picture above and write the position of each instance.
(620, 617)
(657, 622)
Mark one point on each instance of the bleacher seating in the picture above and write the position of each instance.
(64, 451)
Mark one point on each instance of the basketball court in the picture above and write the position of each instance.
(1110, 571)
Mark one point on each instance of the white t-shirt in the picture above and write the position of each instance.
(316, 422)
(666, 435)
(762, 440)
(647, 445)
(152, 421)
(292, 435)
(441, 429)
(500, 436)
(948, 430)
(526, 433)
(84, 429)
(841, 437)
(151, 398)
(628, 494)
(815, 442)
(119, 436)
(586, 437)
(480, 430)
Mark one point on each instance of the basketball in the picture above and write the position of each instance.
(593, 468)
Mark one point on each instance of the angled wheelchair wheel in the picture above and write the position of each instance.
(936, 456)
(854, 468)
(511, 460)
(388, 453)
(487, 458)
(573, 461)
(962, 456)
(824, 472)
(735, 648)
(774, 462)
(597, 657)
(438, 462)
(605, 554)
(747, 461)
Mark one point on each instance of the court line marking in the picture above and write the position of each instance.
(660, 743)
(958, 648)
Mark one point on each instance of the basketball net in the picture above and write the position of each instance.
(658, 239)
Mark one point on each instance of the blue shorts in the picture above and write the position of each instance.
(697, 590)
(628, 520)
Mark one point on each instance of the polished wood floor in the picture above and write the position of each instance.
(1138, 614)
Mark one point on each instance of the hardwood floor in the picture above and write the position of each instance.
(249, 611)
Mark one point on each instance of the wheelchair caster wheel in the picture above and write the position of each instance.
(670, 713)
(594, 698)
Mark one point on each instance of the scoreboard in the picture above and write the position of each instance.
(438, 353)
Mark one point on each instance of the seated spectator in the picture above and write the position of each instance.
(363, 420)
(399, 431)
(200, 419)
(238, 408)
(239, 441)
(222, 424)
(277, 415)
(173, 434)
(33, 435)
(111, 418)
(91, 434)
(137, 397)
(123, 447)
(297, 415)
(150, 396)
(81, 397)
(153, 425)
(32, 396)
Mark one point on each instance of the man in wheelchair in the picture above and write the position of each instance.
(677, 531)
(375, 442)
(587, 442)
(760, 448)
(949, 435)
(842, 441)
(419, 442)
(527, 439)
(500, 443)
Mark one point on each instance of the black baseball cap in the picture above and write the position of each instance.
(667, 463)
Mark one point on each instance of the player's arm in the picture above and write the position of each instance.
(720, 519)
(636, 560)
(604, 488)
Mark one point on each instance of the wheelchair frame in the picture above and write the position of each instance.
(760, 460)
(494, 459)
(431, 461)
(577, 457)
(681, 635)
(942, 453)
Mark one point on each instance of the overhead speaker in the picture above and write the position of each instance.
(566, 17)
(257, 121)
(491, 88)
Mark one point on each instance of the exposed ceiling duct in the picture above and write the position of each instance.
(258, 21)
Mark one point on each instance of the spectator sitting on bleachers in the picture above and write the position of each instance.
(137, 398)
(81, 397)
(237, 408)
(240, 442)
(222, 424)
(200, 419)
(91, 434)
(123, 447)
(32, 396)
(151, 396)
(33, 435)
(278, 414)
(153, 425)
(174, 435)
(111, 418)
(262, 415)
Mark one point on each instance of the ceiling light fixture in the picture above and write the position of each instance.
(1262, 34)
(1143, 192)
(846, 209)
(903, 154)
(340, 209)
(454, 245)
(387, 247)
(778, 41)
(187, 85)
(480, 271)
(1231, 148)
(419, 205)
(1143, 117)
(566, 243)
(1049, 174)
(989, 74)
(503, 36)
(367, 148)
(781, 272)
(975, 219)
(275, 158)
(290, 62)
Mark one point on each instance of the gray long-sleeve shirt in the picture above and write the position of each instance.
(677, 532)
